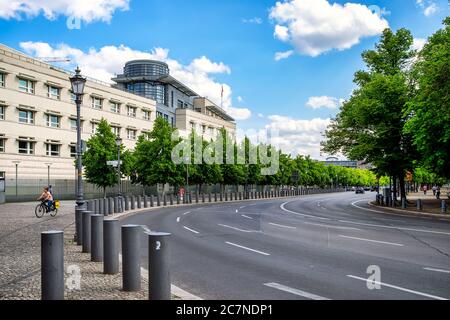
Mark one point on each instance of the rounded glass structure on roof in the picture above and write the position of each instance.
(142, 68)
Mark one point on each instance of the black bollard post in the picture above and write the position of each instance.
(86, 220)
(52, 265)
(159, 266)
(79, 226)
(97, 238)
(131, 264)
(111, 245)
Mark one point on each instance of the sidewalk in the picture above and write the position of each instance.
(20, 257)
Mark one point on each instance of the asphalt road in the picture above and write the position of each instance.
(310, 247)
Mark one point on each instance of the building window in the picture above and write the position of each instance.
(147, 115)
(159, 114)
(171, 98)
(2, 145)
(53, 121)
(52, 150)
(54, 93)
(2, 80)
(73, 151)
(116, 131)
(115, 107)
(131, 112)
(166, 117)
(26, 147)
(193, 126)
(26, 86)
(26, 117)
(73, 124)
(97, 103)
(211, 131)
(2, 113)
(172, 121)
(180, 104)
(94, 127)
(131, 134)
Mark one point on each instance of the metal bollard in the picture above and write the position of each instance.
(165, 200)
(101, 206)
(52, 265)
(158, 200)
(209, 197)
(419, 205)
(215, 197)
(116, 204)
(111, 245)
(231, 196)
(152, 201)
(178, 199)
(127, 203)
(139, 202)
(159, 266)
(403, 203)
(133, 203)
(86, 220)
(97, 238)
(97, 206)
(79, 226)
(90, 205)
(226, 196)
(131, 262)
(145, 201)
(171, 199)
(105, 206)
(190, 198)
(444, 207)
(110, 206)
(203, 198)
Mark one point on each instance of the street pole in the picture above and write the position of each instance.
(119, 172)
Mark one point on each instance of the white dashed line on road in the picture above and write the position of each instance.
(281, 226)
(374, 241)
(282, 207)
(191, 230)
(399, 288)
(186, 213)
(178, 219)
(237, 229)
(247, 217)
(247, 248)
(295, 291)
(437, 270)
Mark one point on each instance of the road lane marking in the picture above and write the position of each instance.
(282, 207)
(399, 288)
(186, 213)
(393, 227)
(281, 226)
(178, 219)
(237, 211)
(375, 241)
(242, 207)
(246, 248)
(437, 270)
(295, 291)
(330, 226)
(247, 217)
(191, 230)
(237, 229)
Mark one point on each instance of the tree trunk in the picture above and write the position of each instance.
(394, 184)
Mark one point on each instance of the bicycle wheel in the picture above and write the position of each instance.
(54, 213)
(39, 211)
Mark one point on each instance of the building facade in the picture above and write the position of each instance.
(38, 112)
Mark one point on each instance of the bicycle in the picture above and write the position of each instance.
(42, 208)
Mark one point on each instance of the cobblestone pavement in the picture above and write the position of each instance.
(20, 276)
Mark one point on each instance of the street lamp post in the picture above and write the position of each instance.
(48, 173)
(17, 176)
(119, 174)
(187, 160)
(78, 82)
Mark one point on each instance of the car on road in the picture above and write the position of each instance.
(360, 190)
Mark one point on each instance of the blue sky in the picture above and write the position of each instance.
(230, 42)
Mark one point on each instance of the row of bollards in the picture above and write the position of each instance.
(102, 239)
(388, 201)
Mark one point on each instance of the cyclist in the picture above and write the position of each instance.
(47, 198)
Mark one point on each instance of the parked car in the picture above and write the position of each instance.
(360, 190)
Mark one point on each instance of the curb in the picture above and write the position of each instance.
(409, 213)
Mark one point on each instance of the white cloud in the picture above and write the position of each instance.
(106, 62)
(324, 102)
(86, 10)
(419, 43)
(283, 55)
(298, 136)
(316, 26)
(255, 20)
(428, 7)
(240, 99)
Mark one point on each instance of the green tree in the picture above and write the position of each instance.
(101, 148)
(428, 112)
(370, 125)
(153, 157)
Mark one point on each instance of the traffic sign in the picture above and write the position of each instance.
(114, 163)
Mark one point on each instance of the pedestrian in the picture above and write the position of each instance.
(425, 189)
(438, 193)
(434, 190)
